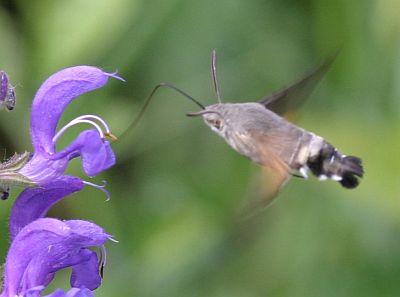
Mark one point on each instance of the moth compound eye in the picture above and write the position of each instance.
(216, 123)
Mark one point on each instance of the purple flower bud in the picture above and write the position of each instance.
(7, 94)
(3, 85)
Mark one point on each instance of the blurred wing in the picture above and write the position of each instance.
(291, 98)
(267, 190)
(275, 171)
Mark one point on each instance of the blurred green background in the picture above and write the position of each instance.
(177, 187)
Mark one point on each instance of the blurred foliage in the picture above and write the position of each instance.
(177, 187)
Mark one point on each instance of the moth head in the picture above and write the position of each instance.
(212, 118)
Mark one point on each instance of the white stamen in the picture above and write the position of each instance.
(114, 75)
(75, 122)
(113, 240)
(99, 187)
(93, 116)
(103, 255)
(304, 172)
(102, 259)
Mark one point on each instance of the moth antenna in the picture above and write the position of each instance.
(179, 91)
(214, 74)
(147, 102)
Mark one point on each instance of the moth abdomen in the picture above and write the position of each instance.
(330, 163)
(353, 169)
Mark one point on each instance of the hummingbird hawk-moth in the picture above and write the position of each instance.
(258, 131)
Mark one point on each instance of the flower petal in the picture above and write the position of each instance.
(53, 97)
(86, 273)
(34, 203)
(96, 153)
(45, 246)
(84, 260)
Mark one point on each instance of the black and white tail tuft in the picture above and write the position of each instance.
(329, 163)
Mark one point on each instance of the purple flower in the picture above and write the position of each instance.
(46, 246)
(52, 98)
(47, 164)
